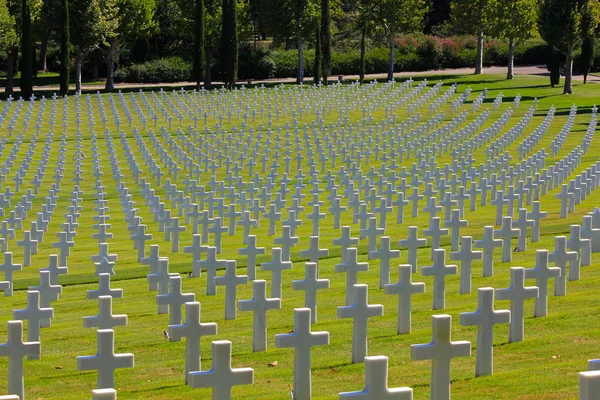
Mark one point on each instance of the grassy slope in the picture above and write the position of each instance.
(544, 366)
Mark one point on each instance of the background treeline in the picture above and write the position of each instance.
(155, 41)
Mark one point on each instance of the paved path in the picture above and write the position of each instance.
(539, 70)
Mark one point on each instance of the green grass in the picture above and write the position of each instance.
(544, 366)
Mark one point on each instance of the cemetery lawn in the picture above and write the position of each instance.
(544, 366)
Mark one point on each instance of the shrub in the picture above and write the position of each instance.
(162, 70)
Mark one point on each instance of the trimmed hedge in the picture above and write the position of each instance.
(413, 53)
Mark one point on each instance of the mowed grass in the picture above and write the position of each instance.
(544, 366)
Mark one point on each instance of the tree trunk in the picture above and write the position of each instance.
(110, 67)
(43, 54)
(78, 62)
(10, 72)
(511, 59)
(300, 39)
(95, 72)
(585, 78)
(207, 70)
(479, 60)
(569, 72)
(392, 54)
(363, 37)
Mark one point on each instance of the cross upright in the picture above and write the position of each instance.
(105, 361)
(560, 257)
(175, 230)
(105, 318)
(500, 201)
(566, 198)
(413, 243)
(259, 305)
(192, 330)
(536, 215)
(405, 288)
(455, 223)
(217, 230)
(152, 261)
(360, 311)
(33, 314)
(48, 293)
(432, 208)
(542, 274)
(371, 234)
(286, 241)
(15, 349)
(376, 383)
(162, 279)
(196, 249)
(439, 270)
(277, 265)
(517, 293)
(310, 284)
(583, 247)
(103, 253)
(8, 267)
(385, 255)
(315, 217)
(175, 299)
(231, 280)
(221, 377)
(251, 251)
(441, 350)
(351, 267)
(65, 248)
(302, 340)
(466, 256)
(436, 232)
(104, 289)
(211, 264)
(345, 242)
(485, 318)
(314, 253)
(29, 247)
(488, 243)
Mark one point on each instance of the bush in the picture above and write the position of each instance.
(162, 70)
(413, 53)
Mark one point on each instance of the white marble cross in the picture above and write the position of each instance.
(384, 254)
(485, 318)
(175, 299)
(54, 269)
(211, 264)
(351, 267)
(277, 265)
(221, 377)
(259, 305)
(536, 215)
(33, 314)
(15, 349)
(413, 243)
(231, 280)
(542, 274)
(517, 293)
(48, 293)
(162, 279)
(488, 243)
(195, 249)
(310, 284)
(104, 289)
(405, 288)
(439, 270)
(441, 350)
(152, 261)
(192, 330)
(560, 257)
(8, 267)
(466, 256)
(251, 251)
(360, 311)
(105, 318)
(376, 383)
(105, 361)
(314, 253)
(302, 340)
(29, 247)
(345, 242)
(436, 232)
(506, 234)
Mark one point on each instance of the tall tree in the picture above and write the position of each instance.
(26, 52)
(588, 52)
(364, 22)
(317, 67)
(133, 19)
(229, 37)
(564, 24)
(89, 30)
(325, 40)
(515, 22)
(8, 35)
(199, 60)
(65, 44)
(473, 16)
(400, 16)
